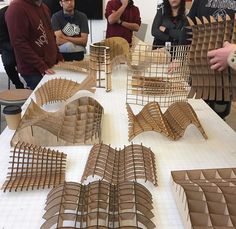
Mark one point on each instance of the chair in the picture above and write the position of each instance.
(13, 97)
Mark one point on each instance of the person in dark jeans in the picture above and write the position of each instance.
(8, 56)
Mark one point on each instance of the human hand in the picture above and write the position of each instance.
(218, 57)
(124, 2)
(173, 66)
(49, 71)
(162, 28)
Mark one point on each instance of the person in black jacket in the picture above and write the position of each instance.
(169, 23)
(8, 57)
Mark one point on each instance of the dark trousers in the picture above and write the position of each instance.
(32, 79)
(222, 108)
(9, 63)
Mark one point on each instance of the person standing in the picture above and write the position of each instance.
(71, 29)
(214, 8)
(33, 39)
(8, 56)
(169, 23)
(123, 17)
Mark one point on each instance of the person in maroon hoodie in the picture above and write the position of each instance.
(33, 39)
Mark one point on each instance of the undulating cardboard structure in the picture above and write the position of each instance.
(77, 123)
(133, 163)
(34, 167)
(206, 198)
(172, 123)
(99, 205)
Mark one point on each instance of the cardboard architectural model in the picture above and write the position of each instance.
(77, 66)
(206, 83)
(206, 198)
(77, 123)
(56, 90)
(158, 75)
(133, 163)
(34, 167)
(99, 205)
(172, 123)
(106, 55)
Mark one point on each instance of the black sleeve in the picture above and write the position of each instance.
(157, 22)
(193, 11)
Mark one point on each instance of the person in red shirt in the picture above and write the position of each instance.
(122, 19)
(33, 39)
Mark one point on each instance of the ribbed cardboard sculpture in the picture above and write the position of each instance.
(34, 167)
(206, 198)
(172, 123)
(77, 66)
(206, 83)
(133, 163)
(106, 55)
(159, 75)
(77, 123)
(57, 90)
(99, 205)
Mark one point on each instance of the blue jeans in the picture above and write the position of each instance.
(32, 79)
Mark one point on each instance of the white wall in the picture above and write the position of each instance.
(147, 10)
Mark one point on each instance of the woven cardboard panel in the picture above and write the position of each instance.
(133, 163)
(172, 123)
(78, 123)
(99, 205)
(206, 198)
(34, 167)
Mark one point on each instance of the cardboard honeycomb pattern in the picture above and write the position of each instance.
(172, 123)
(99, 205)
(77, 123)
(159, 75)
(34, 167)
(206, 83)
(206, 198)
(106, 55)
(133, 163)
(56, 90)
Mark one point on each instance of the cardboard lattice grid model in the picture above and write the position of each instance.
(172, 123)
(134, 162)
(210, 84)
(104, 56)
(206, 198)
(157, 75)
(99, 205)
(56, 90)
(34, 167)
(77, 123)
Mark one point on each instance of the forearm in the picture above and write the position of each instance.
(130, 26)
(115, 16)
(77, 40)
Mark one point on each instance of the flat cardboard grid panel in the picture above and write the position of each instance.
(206, 83)
(172, 123)
(133, 163)
(106, 55)
(160, 75)
(77, 123)
(34, 167)
(99, 205)
(56, 90)
(77, 66)
(206, 198)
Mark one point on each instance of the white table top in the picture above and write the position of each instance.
(24, 210)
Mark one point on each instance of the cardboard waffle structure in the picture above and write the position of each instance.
(99, 205)
(172, 123)
(34, 167)
(206, 198)
(77, 66)
(133, 163)
(106, 55)
(206, 83)
(77, 123)
(160, 75)
(57, 90)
